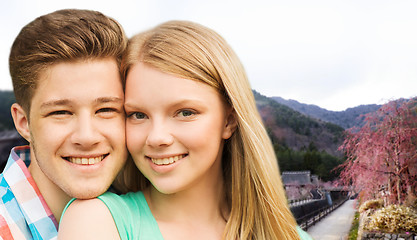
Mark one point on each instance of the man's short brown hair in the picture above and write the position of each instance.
(61, 36)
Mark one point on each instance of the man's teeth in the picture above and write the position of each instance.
(86, 161)
(166, 161)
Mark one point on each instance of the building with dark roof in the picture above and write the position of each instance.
(300, 185)
(300, 178)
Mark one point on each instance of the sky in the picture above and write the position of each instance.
(335, 54)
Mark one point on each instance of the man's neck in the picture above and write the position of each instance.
(55, 198)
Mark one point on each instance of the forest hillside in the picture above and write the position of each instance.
(305, 137)
(349, 118)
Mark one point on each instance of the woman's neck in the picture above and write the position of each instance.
(191, 213)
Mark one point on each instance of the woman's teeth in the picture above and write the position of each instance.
(166, 161)
(86, 161)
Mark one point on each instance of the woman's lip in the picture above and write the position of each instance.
(158, 156)
(167, 160)
(162, 167)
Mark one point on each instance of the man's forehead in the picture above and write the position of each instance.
(91, 81)
(68, 101)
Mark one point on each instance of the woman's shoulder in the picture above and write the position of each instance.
(76, 207)
(83, 217)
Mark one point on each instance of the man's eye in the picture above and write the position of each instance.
(108, 112)
(137, 115)
(105, 110)
(60, 112)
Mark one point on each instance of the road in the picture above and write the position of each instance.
(336, 225)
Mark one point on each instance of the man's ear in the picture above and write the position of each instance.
(21, 121)
(231, 124)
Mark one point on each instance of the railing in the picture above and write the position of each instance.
(312, 218)
(293, 203)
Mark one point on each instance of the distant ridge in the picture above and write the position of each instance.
(349, 118)
(296, 130)
(289, 123)
(300, 142)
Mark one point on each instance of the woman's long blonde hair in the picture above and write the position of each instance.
(253, 187)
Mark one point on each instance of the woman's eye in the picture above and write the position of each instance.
(137, 115)
(186, 113)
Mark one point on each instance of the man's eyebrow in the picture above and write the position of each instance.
(109, 99)
(66, 102)
(59, 102)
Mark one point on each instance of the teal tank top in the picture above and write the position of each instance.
(132, 215)
(134, 219)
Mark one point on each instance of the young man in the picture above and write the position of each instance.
(66, 79)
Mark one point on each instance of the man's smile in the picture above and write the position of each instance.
(86, 160)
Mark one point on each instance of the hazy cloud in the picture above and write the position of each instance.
(335, 54)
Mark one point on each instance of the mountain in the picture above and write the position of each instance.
(349, 118)
(286, 126)
(301, 142)
(296, 130)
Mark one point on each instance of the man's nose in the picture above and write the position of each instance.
(86, 133)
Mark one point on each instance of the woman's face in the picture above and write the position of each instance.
(175, 129)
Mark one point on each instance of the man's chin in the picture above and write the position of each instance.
(87, 194)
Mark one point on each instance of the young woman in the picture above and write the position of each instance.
(207, 166)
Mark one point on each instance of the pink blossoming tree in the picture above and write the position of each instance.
(382, 154)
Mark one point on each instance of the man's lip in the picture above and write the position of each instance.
(86, 159)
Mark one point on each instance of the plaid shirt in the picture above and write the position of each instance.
(24, 213)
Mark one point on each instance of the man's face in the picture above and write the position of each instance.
(77, 127)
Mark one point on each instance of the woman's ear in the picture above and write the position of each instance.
(231, 124)
(21, 121)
